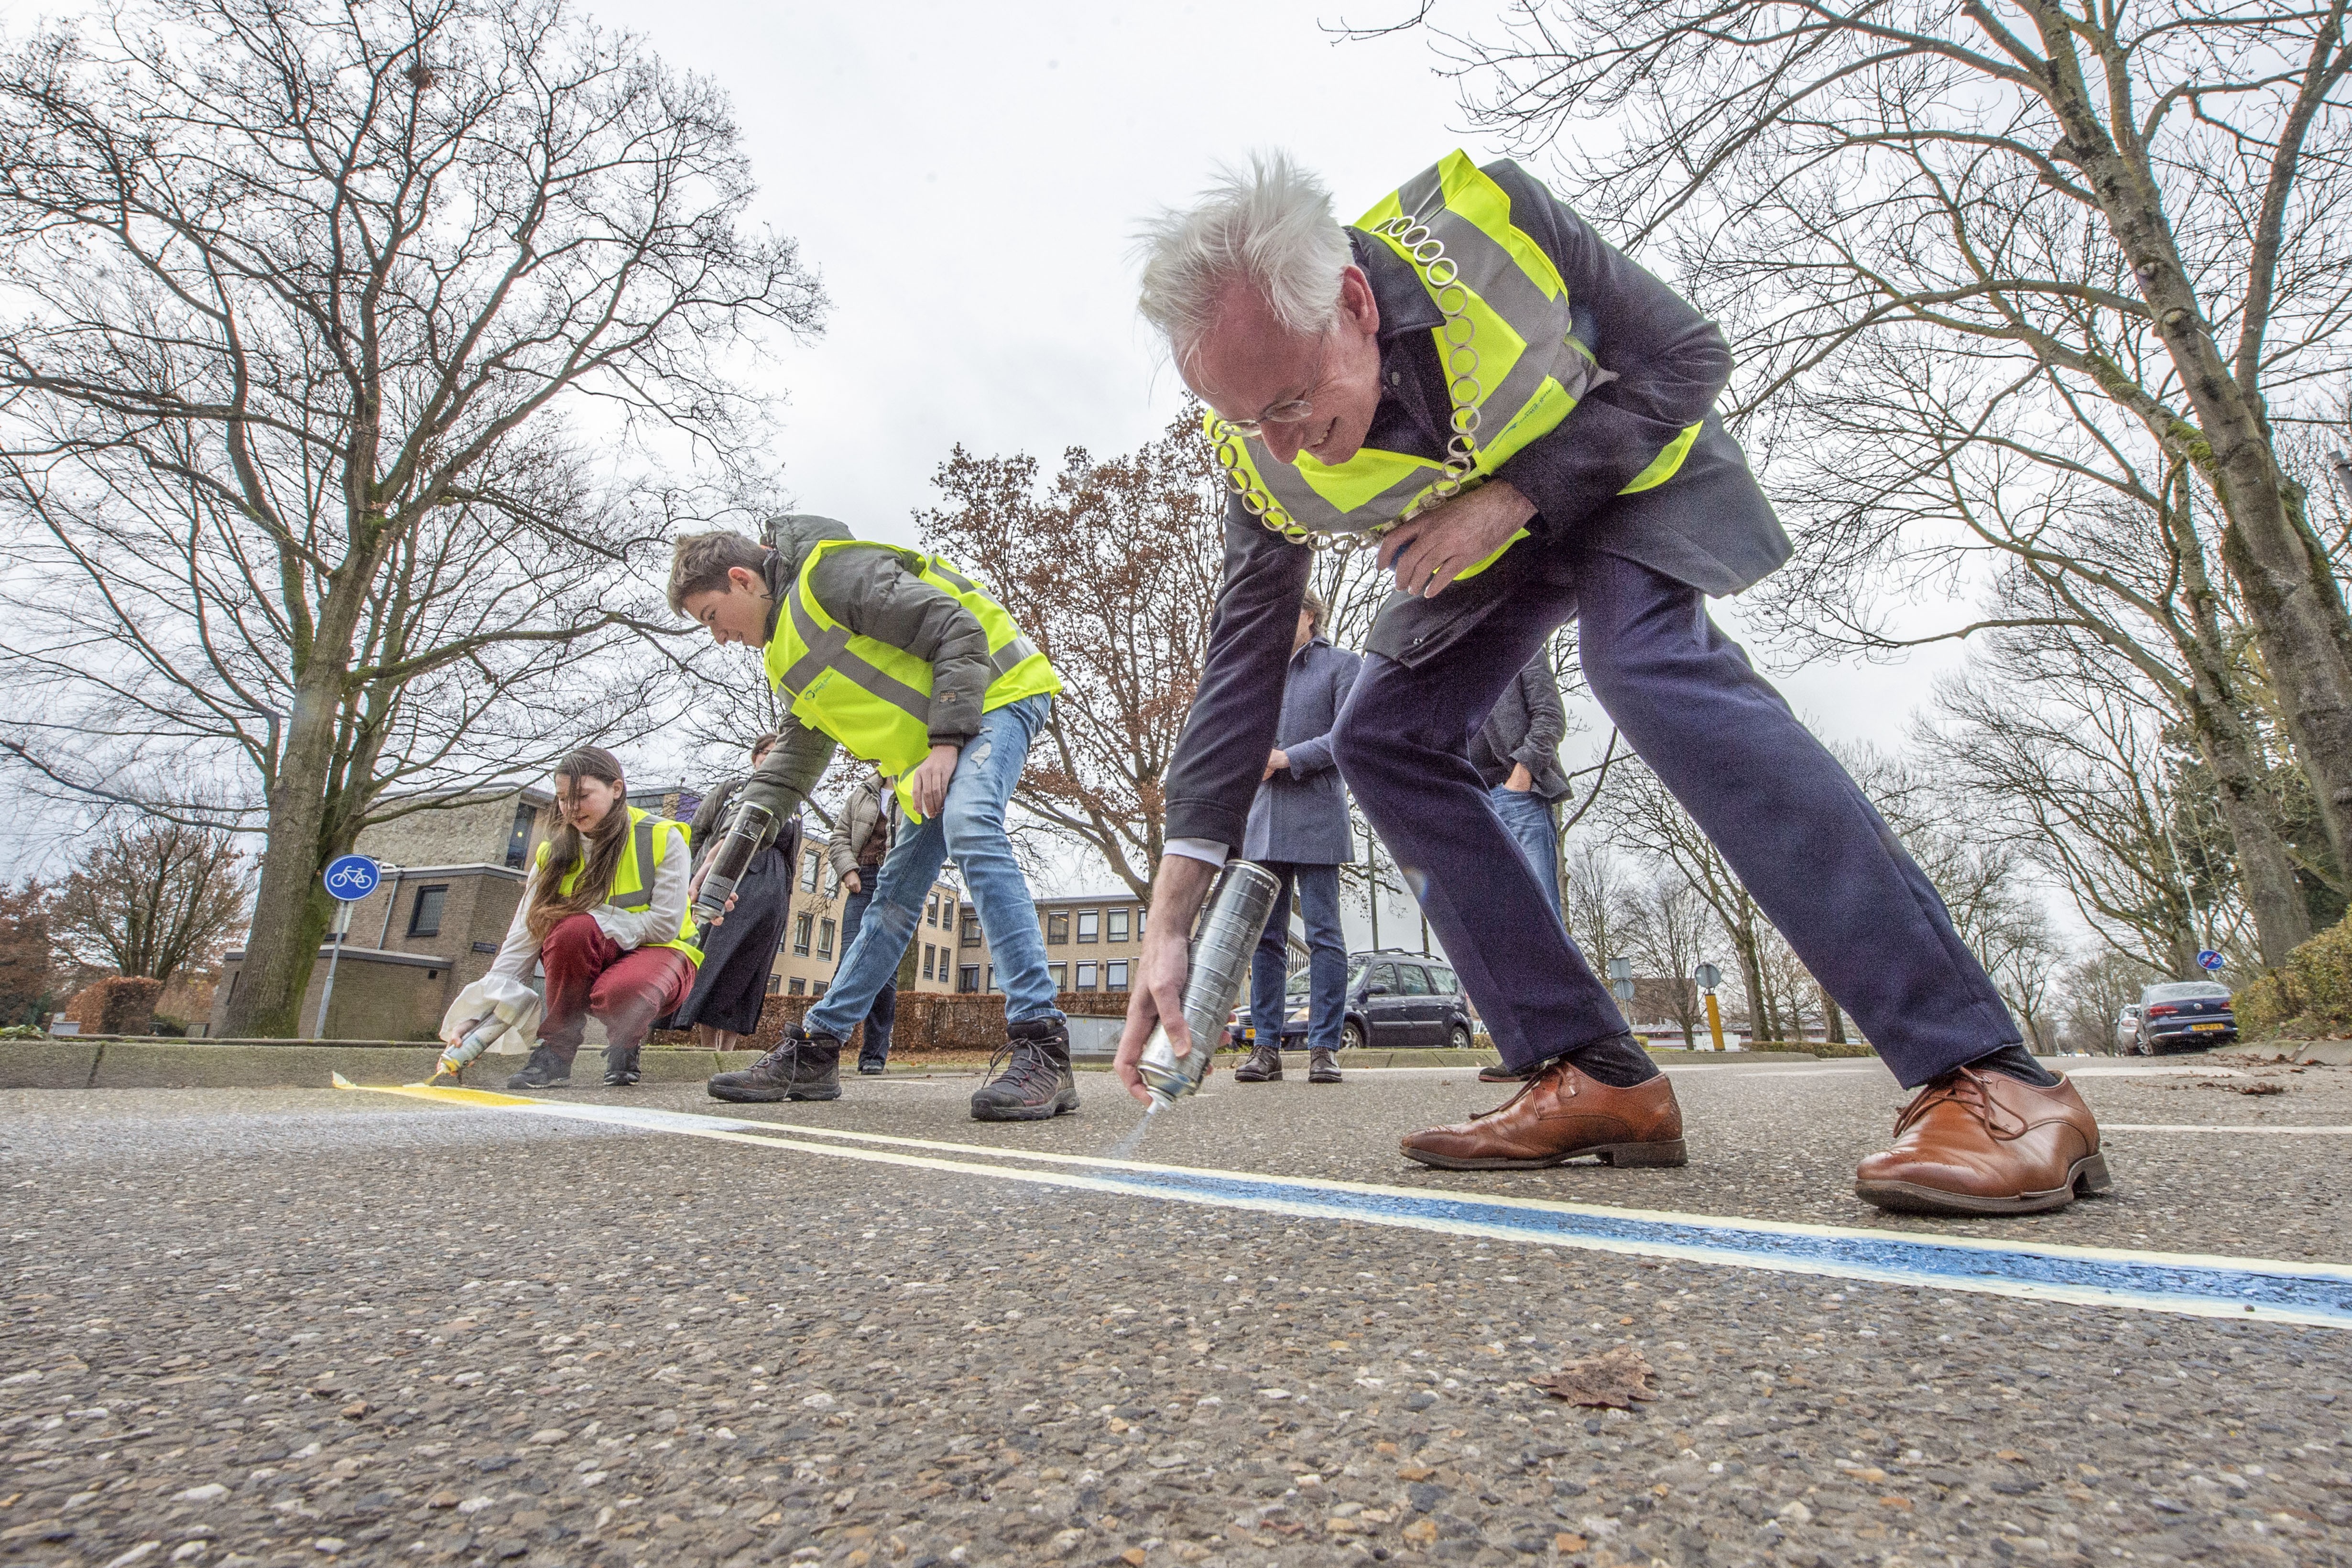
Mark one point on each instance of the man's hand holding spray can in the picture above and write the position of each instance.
(1174, 1022)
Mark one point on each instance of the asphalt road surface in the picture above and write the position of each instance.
(251, 1327)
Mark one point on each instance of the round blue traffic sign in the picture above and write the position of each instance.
(351, 877)
(2209, 961)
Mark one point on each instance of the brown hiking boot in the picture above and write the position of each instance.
(1557, 1116)
(802, 1066)
(1265, 1065)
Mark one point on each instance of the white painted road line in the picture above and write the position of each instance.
(2240, 1288)
(2278, 1132)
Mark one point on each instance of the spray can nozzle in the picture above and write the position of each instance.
(753, 826)
(1223, 942)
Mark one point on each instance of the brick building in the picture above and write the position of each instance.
(812, 946)
(1092, 941)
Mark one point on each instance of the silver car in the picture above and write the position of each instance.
(2127, 1030)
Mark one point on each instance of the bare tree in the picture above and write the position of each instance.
(1111, 570)
(331, 329)
(1666, 928)
(33, 979)
(2096, 989)
(2137, 205)
(156, 897)
(2066, 762)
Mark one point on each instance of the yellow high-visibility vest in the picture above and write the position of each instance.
(632, 887)
(874, 699)
(1513, 364)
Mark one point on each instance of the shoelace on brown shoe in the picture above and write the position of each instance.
(1964, 1087)
(1525, 1085)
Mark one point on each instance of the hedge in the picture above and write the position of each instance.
(2311, 995)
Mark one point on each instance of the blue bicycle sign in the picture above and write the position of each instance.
(353, 877)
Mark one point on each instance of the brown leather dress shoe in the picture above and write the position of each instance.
(1560, 1115)
(1984, 1142)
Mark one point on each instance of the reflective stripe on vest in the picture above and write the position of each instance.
(874, 699)
(633, 885)
(1520, 366)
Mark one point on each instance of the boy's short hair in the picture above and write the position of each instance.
(698, 564)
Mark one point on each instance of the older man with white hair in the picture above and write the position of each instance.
(1525, 422)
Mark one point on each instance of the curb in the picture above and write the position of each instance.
(114, 1063)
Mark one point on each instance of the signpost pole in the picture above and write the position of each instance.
(327, 992)
(1708, 977)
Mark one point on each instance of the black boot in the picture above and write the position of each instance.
(1264, 1065)
(1035, 1083)
(1322, 1067)
(545, 1070)
(802, 1066)
(620, 1066)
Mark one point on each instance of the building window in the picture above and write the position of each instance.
(831, 881)
(1090, 925)
(972, 931)
(1057, 927)
(929, 958)
(808, 871)
(1139, 923)
(424, 919)
(519, 836)
(821, 987)
(992, 977)
(824, 939)
(800, 924)
(1061, 974)
(1086, 976)
(798, 987)
(1115, 930)
(936, 908)
(968, 977)
(1115, 975)
(776, 984)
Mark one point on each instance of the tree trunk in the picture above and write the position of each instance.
(291, 909)
(1833, 1019)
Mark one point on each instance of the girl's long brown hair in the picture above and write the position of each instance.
(566, 848)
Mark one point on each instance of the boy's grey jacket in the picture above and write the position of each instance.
(872, 593)
(1300, 815)
(861, 815)
(1709, 526)
(1526, 727)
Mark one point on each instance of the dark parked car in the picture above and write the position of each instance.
(2183, 1015)
(1395, 999)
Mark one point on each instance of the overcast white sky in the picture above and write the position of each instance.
(966, 179)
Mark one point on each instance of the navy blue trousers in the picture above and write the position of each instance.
(1816, 855)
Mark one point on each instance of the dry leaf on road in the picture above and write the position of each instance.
(1612, 1380)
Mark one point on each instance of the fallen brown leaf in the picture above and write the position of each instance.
(1611, 1380)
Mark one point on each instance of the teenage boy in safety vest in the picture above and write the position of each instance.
(908, 662)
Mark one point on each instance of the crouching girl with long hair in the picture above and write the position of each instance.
(604, 911)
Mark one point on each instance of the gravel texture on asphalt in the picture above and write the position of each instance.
(251, 1327)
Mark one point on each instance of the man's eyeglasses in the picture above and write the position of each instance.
(1291, 412)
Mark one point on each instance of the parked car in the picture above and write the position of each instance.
(1395, 999)
(2182, 1016)
(2128, 1029)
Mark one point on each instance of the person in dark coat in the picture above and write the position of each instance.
(740, 952)
(1299, 830)
(860, 842)
(1527, 421)
(1516, 753)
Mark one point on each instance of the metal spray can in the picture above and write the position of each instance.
(753, 824)
(454, 1058)
(1222, 943)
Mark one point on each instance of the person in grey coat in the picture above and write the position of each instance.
(1298, 829)
(1516, 753)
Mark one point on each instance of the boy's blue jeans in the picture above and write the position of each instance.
(970, 827)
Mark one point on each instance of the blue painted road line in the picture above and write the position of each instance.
(2243, 1289)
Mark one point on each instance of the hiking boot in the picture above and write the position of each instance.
(869, 1069)
(545, 1070)
(1265, 1065)
(1035, 1083)
(1322, 1067)
(802, 1066)
(620, 1066)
